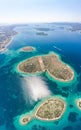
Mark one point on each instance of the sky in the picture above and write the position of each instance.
(33, 11)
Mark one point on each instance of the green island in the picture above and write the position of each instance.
(28, 49)
(42, 29)
(41, 33)
(50, 64)
(49, 110)
(78, 102)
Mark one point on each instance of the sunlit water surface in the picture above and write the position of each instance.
(20, 93)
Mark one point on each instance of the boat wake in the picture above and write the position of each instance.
(57, 48)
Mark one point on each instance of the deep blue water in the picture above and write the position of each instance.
(13, 99)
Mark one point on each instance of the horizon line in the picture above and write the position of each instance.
(41, 22)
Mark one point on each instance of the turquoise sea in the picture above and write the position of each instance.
(20, 93)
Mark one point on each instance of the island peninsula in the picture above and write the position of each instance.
(24, 120)
(51, 64)
(50, 109)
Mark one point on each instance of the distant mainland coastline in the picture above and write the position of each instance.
(6, 36)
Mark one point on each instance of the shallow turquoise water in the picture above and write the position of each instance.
(18, 95)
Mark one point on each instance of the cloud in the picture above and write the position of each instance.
(35, 88)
